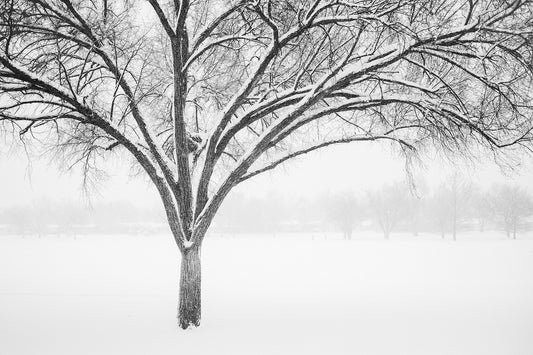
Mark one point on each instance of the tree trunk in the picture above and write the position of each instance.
(190, 289)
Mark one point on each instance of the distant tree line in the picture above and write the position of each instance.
(69, 218)
(453, 206)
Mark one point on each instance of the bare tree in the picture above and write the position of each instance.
(481, 207)
(439, 210)
(344, 211)
(450, 204)
(511, 204)
(389, 205)
(416, 206)
(215, 92)
(461, 198)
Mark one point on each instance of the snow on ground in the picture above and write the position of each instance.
(263, 295)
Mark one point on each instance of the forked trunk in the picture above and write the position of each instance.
(189, 311)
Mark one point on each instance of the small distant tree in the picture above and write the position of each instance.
(28, 219)
(450, 204)
(439, 210)
(343, 210)
(69, 216)
(460, 191)
(416, 207)
(481, 207)
(512, 204)
(389, 206)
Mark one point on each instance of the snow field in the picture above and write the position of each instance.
(263, 295)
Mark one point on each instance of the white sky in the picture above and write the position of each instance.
(357, 167)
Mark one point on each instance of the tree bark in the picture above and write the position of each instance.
(189, 311)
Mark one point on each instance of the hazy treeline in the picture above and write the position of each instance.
(453, 206)
(46, 217)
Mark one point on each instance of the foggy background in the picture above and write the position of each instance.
(98, 275)
(339, 192)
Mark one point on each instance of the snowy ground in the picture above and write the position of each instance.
(117, 295)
